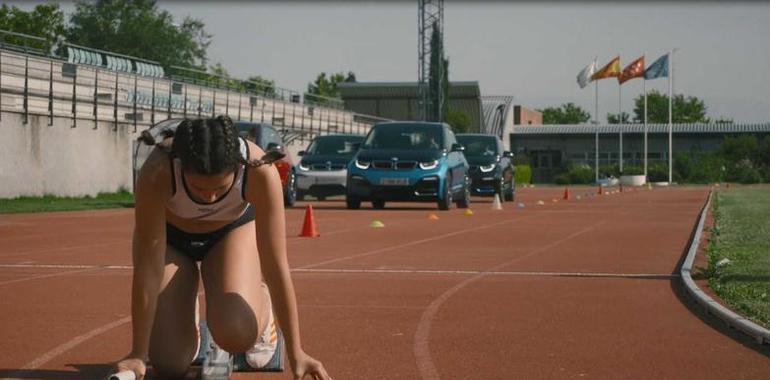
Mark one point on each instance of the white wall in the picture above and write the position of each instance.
(37, 159)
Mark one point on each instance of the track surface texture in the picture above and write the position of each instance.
(584, 288)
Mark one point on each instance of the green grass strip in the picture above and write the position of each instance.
(49, 203)
(741, 234)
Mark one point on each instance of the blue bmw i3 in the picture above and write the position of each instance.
(409, 161)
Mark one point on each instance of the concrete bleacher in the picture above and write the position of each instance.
(60, 115)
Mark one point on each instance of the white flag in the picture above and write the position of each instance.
(585, 75)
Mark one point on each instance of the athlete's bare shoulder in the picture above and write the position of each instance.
(255, 152)
(156, 170)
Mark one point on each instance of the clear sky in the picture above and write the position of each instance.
(530, 50)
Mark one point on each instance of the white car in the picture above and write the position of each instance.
(322, 170)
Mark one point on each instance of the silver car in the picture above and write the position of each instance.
(322, 170)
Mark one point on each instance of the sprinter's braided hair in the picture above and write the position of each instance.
(208, 146)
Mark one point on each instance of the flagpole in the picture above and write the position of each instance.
(596, 129)
(644, 80)
(620, 121)
(670, 121)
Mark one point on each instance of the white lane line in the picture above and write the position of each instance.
(377, 271)
(62, 348)
(44, 276)
(409, 244)
(490, 273)
(422, 354)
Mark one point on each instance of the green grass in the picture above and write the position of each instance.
(741, 233)
(53, 203)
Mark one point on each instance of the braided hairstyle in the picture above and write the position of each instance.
(207, 146)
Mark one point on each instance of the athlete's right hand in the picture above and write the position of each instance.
(134, 364)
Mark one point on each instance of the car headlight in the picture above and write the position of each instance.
(487, 168)
(303, 167)
(363, 164)
(429, 165)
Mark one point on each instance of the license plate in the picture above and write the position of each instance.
(394, 181)
(326, 181)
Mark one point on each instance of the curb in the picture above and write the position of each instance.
(733, 320)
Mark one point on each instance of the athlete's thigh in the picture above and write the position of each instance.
(235, 301)
(174, 337)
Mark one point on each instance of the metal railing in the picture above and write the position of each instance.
(30, 84)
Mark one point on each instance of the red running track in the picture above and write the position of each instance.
(570, 289)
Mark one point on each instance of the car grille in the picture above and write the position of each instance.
(327, 167)
(394, 165)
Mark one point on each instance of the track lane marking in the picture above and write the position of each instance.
(421, 347)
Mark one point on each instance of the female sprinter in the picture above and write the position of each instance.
(202, 197)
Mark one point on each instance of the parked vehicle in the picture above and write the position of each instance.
(323, 168)
(267, 138)
(409, 161)
(491, 167)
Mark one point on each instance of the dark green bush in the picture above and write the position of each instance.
(576, 174)
(657, 171)
(523, 174)
(632, 170)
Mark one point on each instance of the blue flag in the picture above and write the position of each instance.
(658, 69)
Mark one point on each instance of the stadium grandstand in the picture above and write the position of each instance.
(57, 83)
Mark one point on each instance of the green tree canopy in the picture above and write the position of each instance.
(458, 120)
(45, 21)
(685, 110)
(261, 85)
(326, 84)
(138, 28)
(612, 118)
(568, 113)
(438, 78)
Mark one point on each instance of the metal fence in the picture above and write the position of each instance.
(31, 84)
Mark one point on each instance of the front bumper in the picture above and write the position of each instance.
(322, 182)
(388, 185)
(484, 183)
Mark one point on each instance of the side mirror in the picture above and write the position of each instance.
(458, 148)
(301, 153)
(508, 154)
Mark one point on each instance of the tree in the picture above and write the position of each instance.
(437, 78)
(458, 120)
(261, 86)
(568, 113)
(138, 28)
(326, 85)
(685, 110)
(612, 118)
(45, 21)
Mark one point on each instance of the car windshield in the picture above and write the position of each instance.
(334, 145)
(479, 145)
(409, 137)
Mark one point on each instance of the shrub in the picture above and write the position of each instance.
(523, 174)
(632, 170)
(612, 170)
(575, 174)
(744, 171)
(657, 171)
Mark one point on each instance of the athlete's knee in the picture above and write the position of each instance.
(234, 332)
(169, 367)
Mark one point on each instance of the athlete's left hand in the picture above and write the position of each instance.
(304, 365)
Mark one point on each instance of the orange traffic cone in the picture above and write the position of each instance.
(601, 190)
(308, 227)
(566, 193)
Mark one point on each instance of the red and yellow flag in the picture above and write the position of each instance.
(634, 69)
(609, 70)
